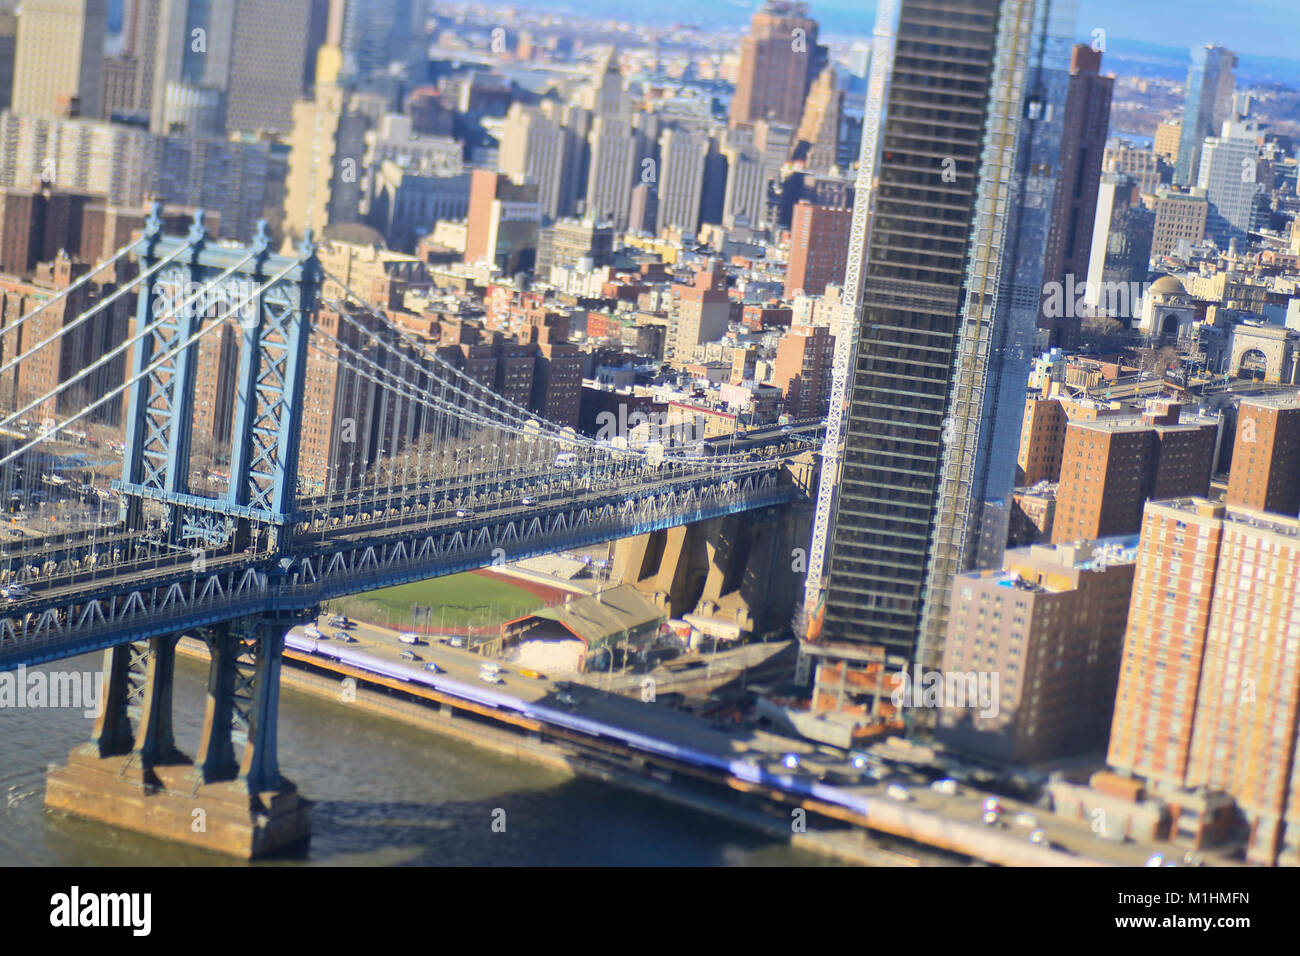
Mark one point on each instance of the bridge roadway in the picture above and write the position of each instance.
(86, 610)
(28, 560)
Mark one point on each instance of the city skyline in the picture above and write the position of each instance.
(893, 452)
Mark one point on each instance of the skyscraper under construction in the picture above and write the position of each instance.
(956, 183)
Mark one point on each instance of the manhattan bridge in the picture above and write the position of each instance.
(460, 476)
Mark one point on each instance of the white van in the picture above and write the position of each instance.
(408, 638)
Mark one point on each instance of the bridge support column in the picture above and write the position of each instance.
(139, 781)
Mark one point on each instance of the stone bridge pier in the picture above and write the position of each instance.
(231, 797)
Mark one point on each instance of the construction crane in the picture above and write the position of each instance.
(847, 328)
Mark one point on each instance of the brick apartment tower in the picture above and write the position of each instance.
(819, 243)
(1210, 675)
(1265, 471)
(1111, 468)
(804, 359)
(1083, 141)
(779, 59)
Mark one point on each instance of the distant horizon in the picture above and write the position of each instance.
(1264, 37)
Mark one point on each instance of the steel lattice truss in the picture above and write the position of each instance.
(469, 477)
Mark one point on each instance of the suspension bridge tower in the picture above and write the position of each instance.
(230, 797)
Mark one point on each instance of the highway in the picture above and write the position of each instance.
(959, 816)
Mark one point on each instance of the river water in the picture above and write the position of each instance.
(385, 794)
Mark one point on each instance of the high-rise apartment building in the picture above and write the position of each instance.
(1074, 207)
(503, 223)
(615, 146)
(1111, 467)
(819, 243)
(537, 147)
(698, 313)
(1050, 624)
(817, 139)
(1149, 170)
(805, 357)
(1210, 86)
(1165, 145)
(1209, 684)
(1042, 441)
(8, 47)
(1265, 473)
(183, 50)
(269, 66)
(901, 361)
(683, 152)
(779, 59)
(1180, 217)
(326, 148)
(66, 355)
(59, 57)
(1121, 246)
(1227, 174)
(568, 242)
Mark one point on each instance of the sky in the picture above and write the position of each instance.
(1260, 27)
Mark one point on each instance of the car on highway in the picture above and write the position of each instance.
(464, 513)
(344, 637)
(408, 637)
(338, 620)
(991, 805)
(567, 699)
(948, 787)
(531, 674)
(409, 656)
(456, 641)
(313, 632)
(432, 668)
(897, 792)
(14, 592)
(992, 819)
(528, 500)
(1026, 820)
(488, 677)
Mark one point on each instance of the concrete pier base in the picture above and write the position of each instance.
(171, 802)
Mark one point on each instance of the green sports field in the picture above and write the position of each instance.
(457, 601)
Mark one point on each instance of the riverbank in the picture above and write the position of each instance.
(571, 756)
